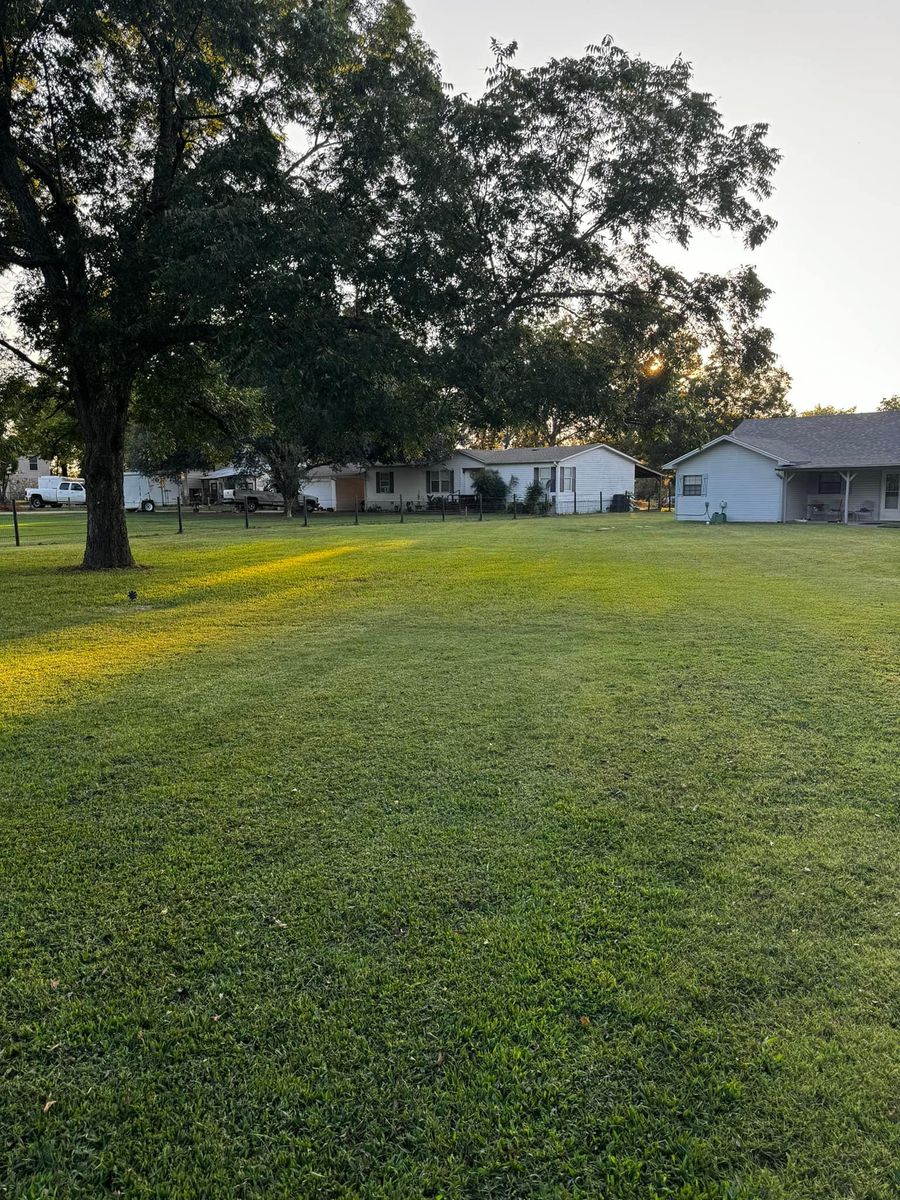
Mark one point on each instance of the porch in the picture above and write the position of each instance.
(844, 496)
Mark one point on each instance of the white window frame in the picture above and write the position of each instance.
(546, 477)
(566, 479)
(382, 477)
(438, 480)
(697, 481)
(32, 462)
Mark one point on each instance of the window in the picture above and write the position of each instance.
(692, 485)
(892, 490)
(64, 487)
(76, 487)
(830, 483)
(33, 463)
(438, 481)
(567, 479)
(546, 476)
(384, 481)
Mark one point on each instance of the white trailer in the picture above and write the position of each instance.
(145, 494)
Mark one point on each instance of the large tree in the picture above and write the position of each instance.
(144, 161)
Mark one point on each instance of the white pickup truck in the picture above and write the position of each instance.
(140, 493)
(56, 491)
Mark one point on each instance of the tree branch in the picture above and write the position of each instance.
(28, 360)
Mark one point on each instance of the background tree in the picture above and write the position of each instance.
(33, 421)
(890, 404)
(186, 416)
(566, 180)
(826, 410)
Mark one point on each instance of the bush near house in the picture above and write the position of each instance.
(490, 486)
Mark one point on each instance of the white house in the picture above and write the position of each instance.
(575, 478)
(840, 468)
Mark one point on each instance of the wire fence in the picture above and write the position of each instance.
(445, 507)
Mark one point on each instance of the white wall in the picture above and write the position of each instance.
(598, 472)
(323, 490)
(23, 477)
(744, 479)
(409, 483)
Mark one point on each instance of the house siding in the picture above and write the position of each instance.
(23, 477)
(600, 474)
(745, 480)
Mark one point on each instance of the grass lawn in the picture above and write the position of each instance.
(548, 858)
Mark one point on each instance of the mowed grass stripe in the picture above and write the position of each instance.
(521, 861)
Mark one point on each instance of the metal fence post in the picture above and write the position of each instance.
(480, 507)
(443, 507)
(515, 514)
(356, 510)
(305, 511)
(401, 508)
(246, 515)
(16, 523)
(178, 506)
(574, 503)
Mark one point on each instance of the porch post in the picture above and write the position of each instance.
(786, 477)
(848, 477)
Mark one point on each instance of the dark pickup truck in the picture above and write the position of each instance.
(252, 500)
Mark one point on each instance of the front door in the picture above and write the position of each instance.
(890, 496)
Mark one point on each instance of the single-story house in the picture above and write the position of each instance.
(576, 478)
(842, 468)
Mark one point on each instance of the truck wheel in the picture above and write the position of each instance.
(252, 504)
(148, 506)
(36, 502)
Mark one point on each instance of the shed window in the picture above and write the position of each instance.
(692, 485)
(33, 463)
(830, 483)
(438, 481)
(384, 481)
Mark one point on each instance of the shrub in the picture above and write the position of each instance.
(536, 500)
(490, 485)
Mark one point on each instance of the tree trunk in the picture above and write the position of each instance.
(103, 429)
(285, 474)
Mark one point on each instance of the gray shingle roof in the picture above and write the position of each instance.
(848, 440)
(536, 454)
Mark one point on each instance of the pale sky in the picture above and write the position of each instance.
(826, 78)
